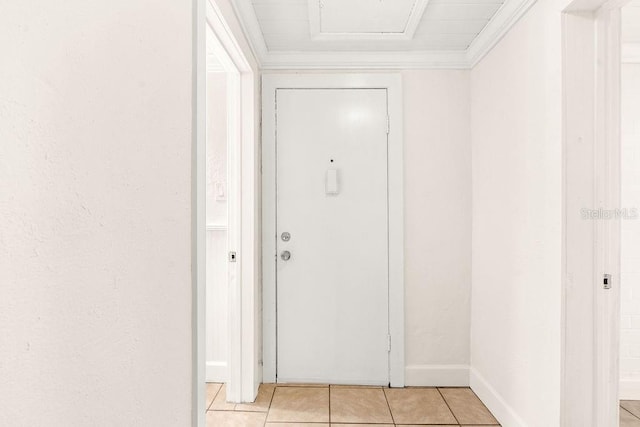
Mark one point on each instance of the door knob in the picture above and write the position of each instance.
(285, 255)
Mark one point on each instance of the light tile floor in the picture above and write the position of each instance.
(345, 406)
(630, 413)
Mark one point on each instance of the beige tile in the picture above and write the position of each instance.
(265, 393)
(365, 425)
(220, 402)
(302, 385)
(418, 406)
(297, 425)
(356, 386)
(212, 391)
(300, 404)
(359, 405)
(627, 419)
(632, 406)
(466, 406)
(235, 419)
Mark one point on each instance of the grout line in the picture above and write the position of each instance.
(214, 396)
(632, 414)
(266, 416)
(329, 404)
(447, 403)
(393, 420)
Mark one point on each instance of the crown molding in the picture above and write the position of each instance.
(505, 18)
(364, 60)
(249, 22)
(631, 53)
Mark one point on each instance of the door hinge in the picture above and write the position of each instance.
(388, 342)
(606, 281)
(388, 125)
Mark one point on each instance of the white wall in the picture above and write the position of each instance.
(630, 251)
(516, 233)
(217, 271)
(437, 226)
(95, 213)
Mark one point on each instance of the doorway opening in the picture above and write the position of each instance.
(225, 247)
(221, 209)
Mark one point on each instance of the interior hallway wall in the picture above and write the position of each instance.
(517, 210)
(437, 150)
(95, 213)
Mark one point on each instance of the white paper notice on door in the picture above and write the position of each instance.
(331, 183)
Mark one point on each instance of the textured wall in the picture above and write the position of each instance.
(95, 170)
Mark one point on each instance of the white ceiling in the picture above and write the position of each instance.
(376, 33)
(444, 25)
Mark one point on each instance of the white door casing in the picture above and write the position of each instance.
(380, 84)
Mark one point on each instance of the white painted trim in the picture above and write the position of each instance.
(498, 406)
(251, 28)
(631, 53)
(437, 376)
(216, 371)
(506, 17)
(499, 25)
(316, 32)
(198, 216)
(217, 227)
(393, 84)
(365, 60)
(607, 173)
(629, 389)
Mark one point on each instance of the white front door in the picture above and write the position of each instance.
(332, 187)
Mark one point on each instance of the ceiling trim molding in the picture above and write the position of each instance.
(249, 22)
(505, 18)
(631, 53)
(365, 60)
(415, 16)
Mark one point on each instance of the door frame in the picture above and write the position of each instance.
(243, 363)
(591, 141)
(393, 84)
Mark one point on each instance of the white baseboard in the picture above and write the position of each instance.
(216, 372)
(629, 389)
(505, 415)
(437, 375)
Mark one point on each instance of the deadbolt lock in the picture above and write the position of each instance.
(286, 236)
